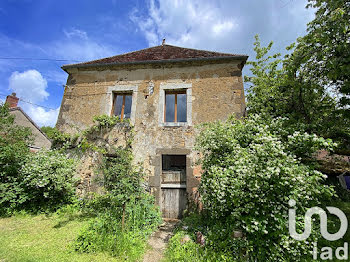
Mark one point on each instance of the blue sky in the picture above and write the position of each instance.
(82, 30)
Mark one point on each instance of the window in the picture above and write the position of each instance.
(175, 104)
(174, 162)
(122, 105)
(175, 109)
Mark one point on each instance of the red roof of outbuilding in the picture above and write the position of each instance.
(161, 53)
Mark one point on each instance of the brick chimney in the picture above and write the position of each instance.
(12, 100)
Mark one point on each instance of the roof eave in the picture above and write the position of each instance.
(241, 58)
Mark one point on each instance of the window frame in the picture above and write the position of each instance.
(124, 94)
(174, 85)
(174, 92)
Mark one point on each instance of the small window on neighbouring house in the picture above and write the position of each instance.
(122, 105)
(175, 106)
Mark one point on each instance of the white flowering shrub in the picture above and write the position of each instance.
(251, 171)
(47, 181)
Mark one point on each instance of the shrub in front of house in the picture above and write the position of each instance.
(43, 183)
(14, 149)
(251, 171)
(47, 181)
(109, 232)
(124, 216)
(30, 181)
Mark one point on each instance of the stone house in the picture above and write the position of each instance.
(165, 91)
(40, 140)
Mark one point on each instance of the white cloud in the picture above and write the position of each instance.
(74, 45)
(226, 26)
(75, 33)
(82, 50)
(29, 85)
(40, 116)
(184, 23)
(78, 46)
(222, 27)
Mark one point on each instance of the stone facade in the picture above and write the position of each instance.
(214, 90)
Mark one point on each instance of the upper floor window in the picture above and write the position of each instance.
(122, 105)
(175, 109)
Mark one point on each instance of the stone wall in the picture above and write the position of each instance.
(214, 91)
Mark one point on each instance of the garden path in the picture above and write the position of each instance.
(159, 240)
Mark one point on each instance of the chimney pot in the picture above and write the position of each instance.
(12, 100)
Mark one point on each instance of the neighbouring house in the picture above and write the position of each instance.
(165, 91)
(22, 119)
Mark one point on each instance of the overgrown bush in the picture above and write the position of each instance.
(47, 181)
(251, 171)
(14, 149)
(30, 181)
(107, 231)
(125, 215)
(120, 177)
(57, 138)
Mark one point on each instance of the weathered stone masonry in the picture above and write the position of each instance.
(213, 87)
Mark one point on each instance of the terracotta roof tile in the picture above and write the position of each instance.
(157, 53)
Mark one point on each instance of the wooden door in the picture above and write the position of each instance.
(173, 186)
(174, 202)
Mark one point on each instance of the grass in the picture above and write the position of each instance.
(29, 238)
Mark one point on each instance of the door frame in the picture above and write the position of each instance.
(158, 171)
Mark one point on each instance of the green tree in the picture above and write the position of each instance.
(14, 141)
(323, 54)
(278, 88)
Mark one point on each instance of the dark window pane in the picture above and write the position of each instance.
(118, 103)
(127, 108)
(173, 162)
(170, 107)
(181, 108)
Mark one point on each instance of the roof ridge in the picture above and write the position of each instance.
(159, 53)
(202, 50)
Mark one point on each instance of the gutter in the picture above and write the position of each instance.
(243, 57)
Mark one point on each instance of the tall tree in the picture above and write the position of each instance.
(323, 54)
(279, 88)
